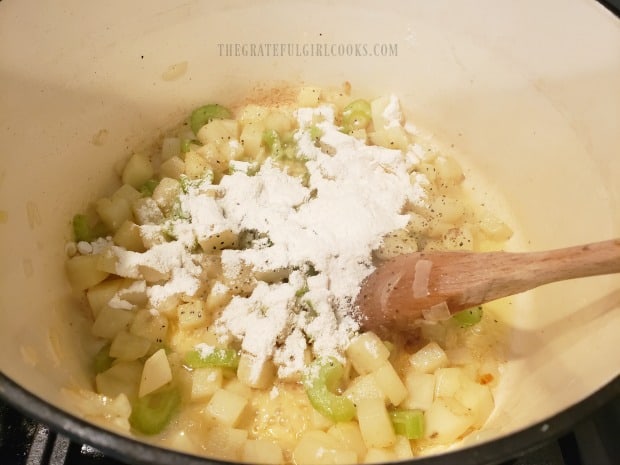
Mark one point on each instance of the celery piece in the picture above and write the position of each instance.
(271, 140)
(102, 360)
(468, 317)
(356, 115)
(323, 376)
(150, 414)
(408, 423)
(83, 231)
(148, 187)
(202, 115)
(218, 357)
(315, 133)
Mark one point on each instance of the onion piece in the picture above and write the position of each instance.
(439, 312)
(421, 278)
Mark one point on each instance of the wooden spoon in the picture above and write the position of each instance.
(393, 298)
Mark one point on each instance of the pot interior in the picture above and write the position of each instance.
(525, 95)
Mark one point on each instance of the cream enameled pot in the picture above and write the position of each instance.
(526, 94)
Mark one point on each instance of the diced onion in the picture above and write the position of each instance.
(421, 278)
(439, 312)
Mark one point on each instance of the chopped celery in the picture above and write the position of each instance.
(324, 374)
(218, 357)
(468, 317)
(148, 187)
(271, 140)
(102, 360)
(150, 414)
(356, 115)
(201, 116)
(315, 133)
(83, 231)
(408, 423)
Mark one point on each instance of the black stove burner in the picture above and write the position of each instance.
(595, 441)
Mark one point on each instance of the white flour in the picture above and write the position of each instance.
(354, 197)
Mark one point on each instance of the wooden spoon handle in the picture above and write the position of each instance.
(519, 272)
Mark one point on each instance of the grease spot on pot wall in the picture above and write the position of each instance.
(33, 215)
(175, 71)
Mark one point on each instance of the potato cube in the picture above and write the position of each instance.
(128, 347)
(402, 448)
(218, 297)
(261, 451)
(196, 166)
(113, 212)
(83, 273)
(127, 192)
(174, 167)
(204, 382)
(367, 353)
(364, 387)
(447, 381)
(166, 194)
(110, 321)
(218, 241)
(138, 170)
(121, 378)
(254, 373)
(146, 211)
(226, 407)
(375, 423)
(390, 383)
(99, 295)
(429, 358)
(279, 121)
(421, 388)
(218, 131)
(349, 435)
(225, 443)
(391, 138)
(478, 399)
(155, 374)
(446, 420)
(128, 236)
(251, 138)
(396, 243)
(192, 315)
(375, 455)
(151, 326)
(237, 387)
(317, 447)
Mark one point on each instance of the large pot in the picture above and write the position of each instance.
(527, 93)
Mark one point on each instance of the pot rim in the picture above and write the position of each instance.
(128, 449)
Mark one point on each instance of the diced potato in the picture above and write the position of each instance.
(447, 381)
(450, 209)
(256, 376)
(196, 165)
(218, 131)
(83, 273)
(127, 192)
(217, 158)
(402, 448)
(309, 96)
(478, 399)
(446, 420)
(375, 423)
(128, 236)
(261, 451)
(317, 448)
(121, 378)
(226, 407)
(421, 388)
(429, 358)
(364, 387)
(110, 321)
(152, 236)
(153, 327)
(390, 383)
(138, 170)
(166, 194)
(225, 443)
(113, 212)
(360, 134)
(367, 353)
(375, 455)
(377, 107)
(152, 275)
(251, 138)
(192, 315)
(146, 211)
(448, 169)
(251, 113)
(237, 387)
(218, 241)
(217, 298)
(100, 294)
(391, 138)
(155, 374)
(204, 382)
(349, 435)
(461, 238)
(128, 347)
(106, 261)
(174, 167)
(494, 228)
(279, 121)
